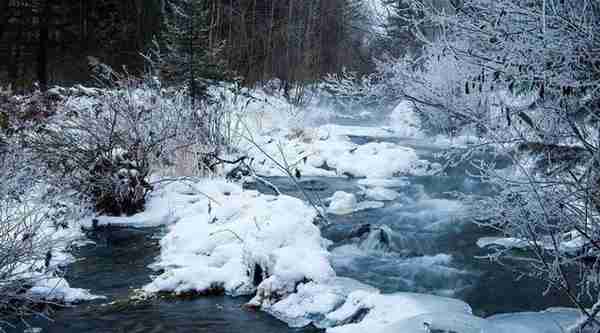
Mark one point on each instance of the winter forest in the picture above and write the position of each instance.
(339, 166)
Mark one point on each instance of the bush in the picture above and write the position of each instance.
(102, 144)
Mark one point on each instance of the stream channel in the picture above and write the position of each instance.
(423, 246)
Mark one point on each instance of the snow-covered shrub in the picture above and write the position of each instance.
(35, 231)
(102, 144)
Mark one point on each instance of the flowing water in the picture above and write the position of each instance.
(420, 242)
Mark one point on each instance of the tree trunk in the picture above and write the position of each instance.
(3, 16)
(42, 55)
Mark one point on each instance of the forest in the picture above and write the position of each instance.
(340, 166)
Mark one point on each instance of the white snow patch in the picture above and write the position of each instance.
(343, 203)
(58, 289)
(220, 246)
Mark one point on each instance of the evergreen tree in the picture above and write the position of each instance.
(187, 56)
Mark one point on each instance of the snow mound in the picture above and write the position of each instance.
(343, 203)
(239, 242)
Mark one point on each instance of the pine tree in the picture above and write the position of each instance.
(188, 56)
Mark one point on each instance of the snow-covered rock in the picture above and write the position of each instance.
(240, 242)
(343, 203)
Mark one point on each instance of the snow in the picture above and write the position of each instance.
(58, 289)
(343, 203)
(221, 246)
(392, 159)
(46, 280)
(297, 141)
(312, 301)
(381, 194)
